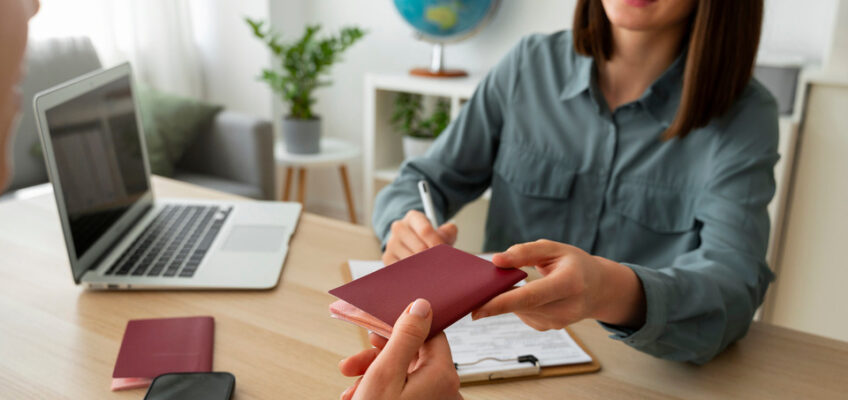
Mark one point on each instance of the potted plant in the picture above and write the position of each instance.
(418, 132)
(303, 65)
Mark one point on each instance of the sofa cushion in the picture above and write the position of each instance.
(171, 124)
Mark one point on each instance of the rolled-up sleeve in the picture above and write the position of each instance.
(458, 166)
(706, 299)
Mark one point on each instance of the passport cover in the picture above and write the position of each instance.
(152, 347)
(453, 281)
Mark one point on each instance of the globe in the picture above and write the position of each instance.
(443, 21)
(446, 20)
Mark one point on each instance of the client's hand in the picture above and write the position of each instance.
(576, 285)
(404, 367)
(414, 234)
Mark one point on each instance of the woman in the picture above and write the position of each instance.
(639, 149)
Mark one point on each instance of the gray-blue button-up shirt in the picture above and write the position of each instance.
(687, 215)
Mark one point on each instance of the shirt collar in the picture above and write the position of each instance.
(581, 80)
(661, 99)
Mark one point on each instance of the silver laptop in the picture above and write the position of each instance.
(118, 236)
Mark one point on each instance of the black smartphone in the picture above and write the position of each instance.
(192, 385)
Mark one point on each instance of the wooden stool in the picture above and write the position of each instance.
(334, 152)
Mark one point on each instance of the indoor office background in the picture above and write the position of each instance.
(211, 55)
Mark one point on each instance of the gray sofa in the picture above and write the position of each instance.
(236, 155)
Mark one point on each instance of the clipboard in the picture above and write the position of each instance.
(522, 367)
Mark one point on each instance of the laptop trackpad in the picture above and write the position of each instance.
(255, 238)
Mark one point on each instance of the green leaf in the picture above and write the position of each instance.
(301, 62)
(407, 118)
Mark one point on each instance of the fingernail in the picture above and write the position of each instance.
(500, 257)
(420, 308)
(344, 394)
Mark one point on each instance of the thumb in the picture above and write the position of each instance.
(409, 333)
(448, 232)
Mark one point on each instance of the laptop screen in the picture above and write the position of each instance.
(99, 159)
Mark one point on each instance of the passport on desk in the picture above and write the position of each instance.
(453, 281)
(152, 347)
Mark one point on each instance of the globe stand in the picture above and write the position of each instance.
(437, 66)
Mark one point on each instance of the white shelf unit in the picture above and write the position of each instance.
(382, 148)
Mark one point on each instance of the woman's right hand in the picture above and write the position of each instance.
(414, 234)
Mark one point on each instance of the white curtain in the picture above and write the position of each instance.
(156, 36)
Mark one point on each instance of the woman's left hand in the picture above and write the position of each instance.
(575, 285)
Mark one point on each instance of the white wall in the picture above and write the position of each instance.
(231, 57)
(836, 58)
(792, 30)
(797, 29)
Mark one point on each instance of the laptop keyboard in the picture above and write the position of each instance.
(174, 244)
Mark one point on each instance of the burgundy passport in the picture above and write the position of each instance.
(152, 347)
(453, 281)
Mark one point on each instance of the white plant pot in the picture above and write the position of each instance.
(415, 147)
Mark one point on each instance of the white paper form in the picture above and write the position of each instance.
(503, 336)
(507, 337)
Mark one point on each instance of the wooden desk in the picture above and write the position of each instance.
(60, 341)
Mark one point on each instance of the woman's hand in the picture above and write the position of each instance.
(414, 234)
(575, 285)
(404, 367)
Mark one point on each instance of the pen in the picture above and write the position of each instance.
(429, 211)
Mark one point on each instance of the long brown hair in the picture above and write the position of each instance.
(723, 40)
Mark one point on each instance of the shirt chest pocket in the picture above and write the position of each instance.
(651, 224)
(658, 209)
(531, 197)
(532, 174)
